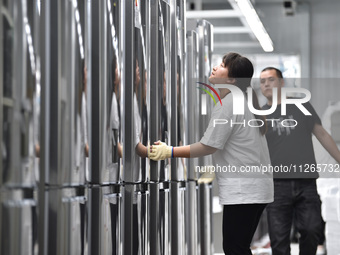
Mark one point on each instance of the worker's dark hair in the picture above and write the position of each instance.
(278, 72)
(241, 69)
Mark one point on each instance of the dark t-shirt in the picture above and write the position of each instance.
(289, 139)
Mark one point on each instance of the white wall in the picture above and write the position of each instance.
(313, 33)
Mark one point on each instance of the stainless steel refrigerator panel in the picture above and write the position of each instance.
(205, 208)
(104, 93)
(71, 222)
(109, 92)
(155, 226)
(141, 221)
(164, 219)
(70, 89)
(154, 121)
(191, 222)
(18, 223)
(204, 31)
(165, 80)
(145, 219)
(140, 67)
(173, 90)
(2, 53)
(128, 79)
(191, 113)
(63, 81)
(18, 88)
(178, 242)
(144, 88)
(178, 169)
(110, 233)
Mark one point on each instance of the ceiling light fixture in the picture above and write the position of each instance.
(255, 24)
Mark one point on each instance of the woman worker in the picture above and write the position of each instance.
(243, 195)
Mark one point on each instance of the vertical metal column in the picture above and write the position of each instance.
(191, 115)
(128, 124)
(204, 31)
(94, 128)
(178, 184)
(44, 48)
(173, 55)
(47, 221)
(154, 129)
(1, 108)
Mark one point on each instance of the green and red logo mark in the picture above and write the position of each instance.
(209, 93)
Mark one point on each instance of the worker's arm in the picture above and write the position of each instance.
(141, 150)
(327, 141)
(160, 151)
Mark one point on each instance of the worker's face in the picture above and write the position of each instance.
(219, 74)
(270, 80)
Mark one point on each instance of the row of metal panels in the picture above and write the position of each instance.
(69, 230)
(75, 101)
(78, 85)
(82, 82)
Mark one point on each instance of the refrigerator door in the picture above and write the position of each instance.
(141, 221)
(144, 89)
(110, 236)
(191, 222)
(205, 33)
(67, 221)
(191, 114)
(107, 99)
(62, 94)
(18, 223)
(17, 90)
(205, 208)
(178, 242)
(164, 79)
(164, 219)
(181, 169)
(70, 216)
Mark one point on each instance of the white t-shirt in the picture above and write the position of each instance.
(240, 147)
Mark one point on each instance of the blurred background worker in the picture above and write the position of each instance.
(295, 193)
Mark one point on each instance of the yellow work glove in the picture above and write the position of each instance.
(208, 176)
(160, 151)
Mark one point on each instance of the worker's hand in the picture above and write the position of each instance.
(208, 176)
(160, 151)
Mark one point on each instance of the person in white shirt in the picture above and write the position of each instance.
(244, 195)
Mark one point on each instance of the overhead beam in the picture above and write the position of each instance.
(214, 14)
(237, 45)
(232, 30)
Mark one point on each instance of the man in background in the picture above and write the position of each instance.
(295, 192)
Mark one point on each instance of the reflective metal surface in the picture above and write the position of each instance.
(192, 113)
(164, 217)
(192, 218)
(18, 226)
(18, 95)
(178, 242)
(110, 228)
(85, 86)
(141, 244)
(205, 207)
